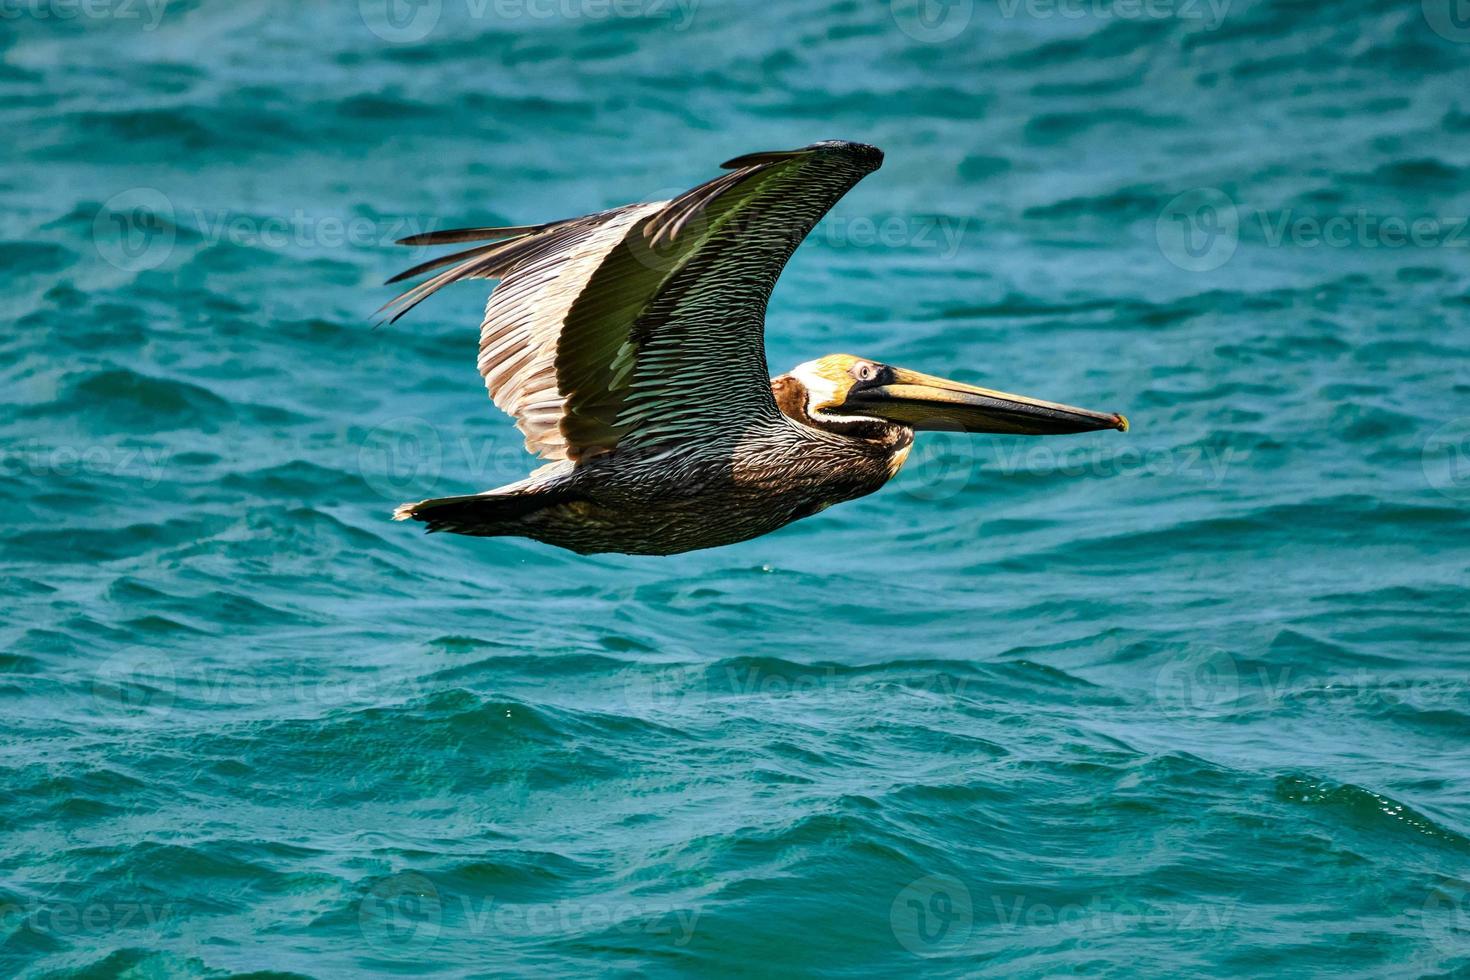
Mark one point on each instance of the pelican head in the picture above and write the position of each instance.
(840, 389)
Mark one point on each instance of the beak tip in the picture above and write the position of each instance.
(1122, 424)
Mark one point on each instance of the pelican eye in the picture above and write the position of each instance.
(865, 372)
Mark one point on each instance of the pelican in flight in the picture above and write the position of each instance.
(628, 346)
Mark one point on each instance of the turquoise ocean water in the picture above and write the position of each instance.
(1187, 701)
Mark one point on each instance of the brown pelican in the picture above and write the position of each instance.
(628, 346)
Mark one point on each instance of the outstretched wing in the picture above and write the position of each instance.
(642, 324)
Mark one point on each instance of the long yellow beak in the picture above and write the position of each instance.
(926, 402)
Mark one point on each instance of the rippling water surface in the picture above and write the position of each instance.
(1189, 701)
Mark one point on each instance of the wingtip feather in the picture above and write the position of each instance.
(482, 234)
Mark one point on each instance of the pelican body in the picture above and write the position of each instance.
(629, 347)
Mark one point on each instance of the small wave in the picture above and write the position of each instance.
(35, 258)
(1058, 127)
(137, 402)
(516, 875)
(1365, 809)
(111, 544)
(136, 133)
